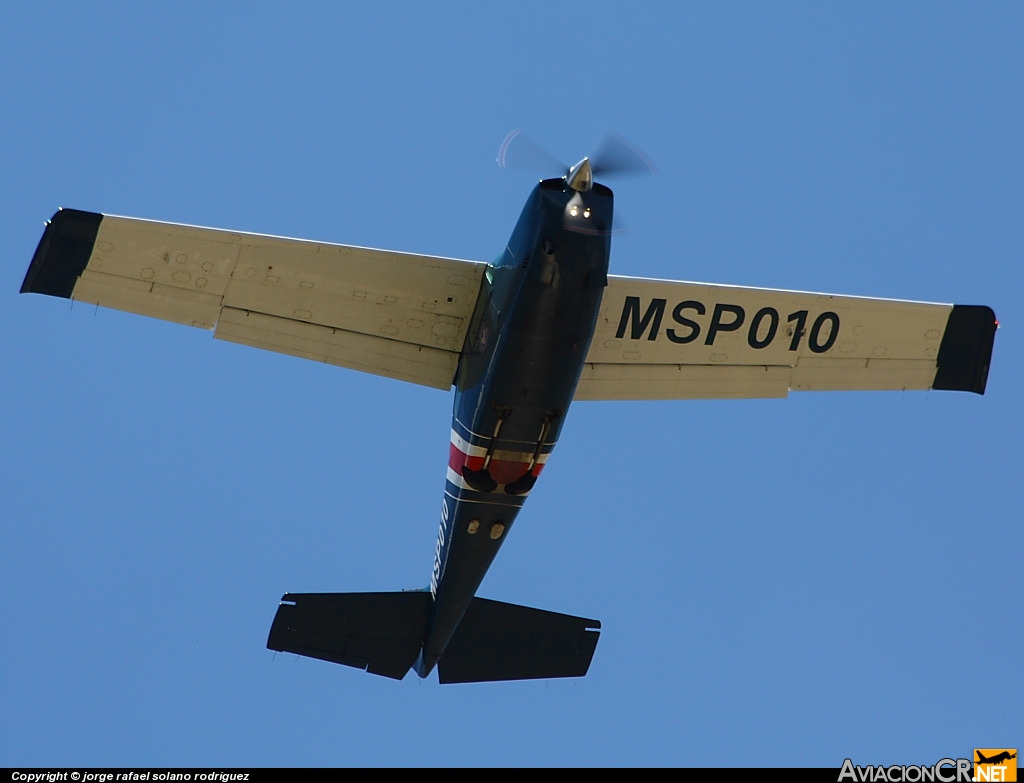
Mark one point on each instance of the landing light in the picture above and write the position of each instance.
(576, 205)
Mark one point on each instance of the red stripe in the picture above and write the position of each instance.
(502, 471)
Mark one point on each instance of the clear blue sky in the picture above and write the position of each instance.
(780, 582)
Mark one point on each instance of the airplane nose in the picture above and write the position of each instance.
(580, 176)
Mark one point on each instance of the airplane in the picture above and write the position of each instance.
(520, 339)
(996, 759)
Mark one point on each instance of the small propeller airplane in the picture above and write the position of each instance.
(520, 339)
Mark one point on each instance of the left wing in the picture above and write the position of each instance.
(662, 340)
(399, 315)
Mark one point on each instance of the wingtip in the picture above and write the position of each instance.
(62, 253)
(965, 353)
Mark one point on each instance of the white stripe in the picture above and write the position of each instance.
(465, 447)
(457, 480)
(487, 502)
(499, 454)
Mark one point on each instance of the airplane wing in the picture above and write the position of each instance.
(662, 340)
(399, 315)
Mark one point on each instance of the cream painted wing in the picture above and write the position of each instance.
(395, 314)
(662, 339)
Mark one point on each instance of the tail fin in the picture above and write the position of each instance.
(498, 641)
(378, 632)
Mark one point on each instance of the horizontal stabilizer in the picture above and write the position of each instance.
(378, 632)
(498, 641)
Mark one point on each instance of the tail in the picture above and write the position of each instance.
(382, 633)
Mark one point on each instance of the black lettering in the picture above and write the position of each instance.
(812, 339)
(693, 326)
(755, 326)
(800, 316)
(716, 321)
(653, 316)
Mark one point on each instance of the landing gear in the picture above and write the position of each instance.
(525, 483)
(481, 480)
(521, 485)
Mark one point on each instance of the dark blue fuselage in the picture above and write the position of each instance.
(525, 350)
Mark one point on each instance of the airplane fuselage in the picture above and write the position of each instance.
(525, 350)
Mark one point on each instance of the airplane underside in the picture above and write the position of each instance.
(527, 342)
(520, 339)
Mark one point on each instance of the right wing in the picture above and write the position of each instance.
(395, 314)
(670, 340)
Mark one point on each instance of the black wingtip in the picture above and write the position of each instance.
(63, 253)
(966, 349)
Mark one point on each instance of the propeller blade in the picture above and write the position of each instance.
(618, 225)
(618, 157)
(521, 153)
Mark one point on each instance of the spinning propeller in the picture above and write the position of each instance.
(614, 156)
